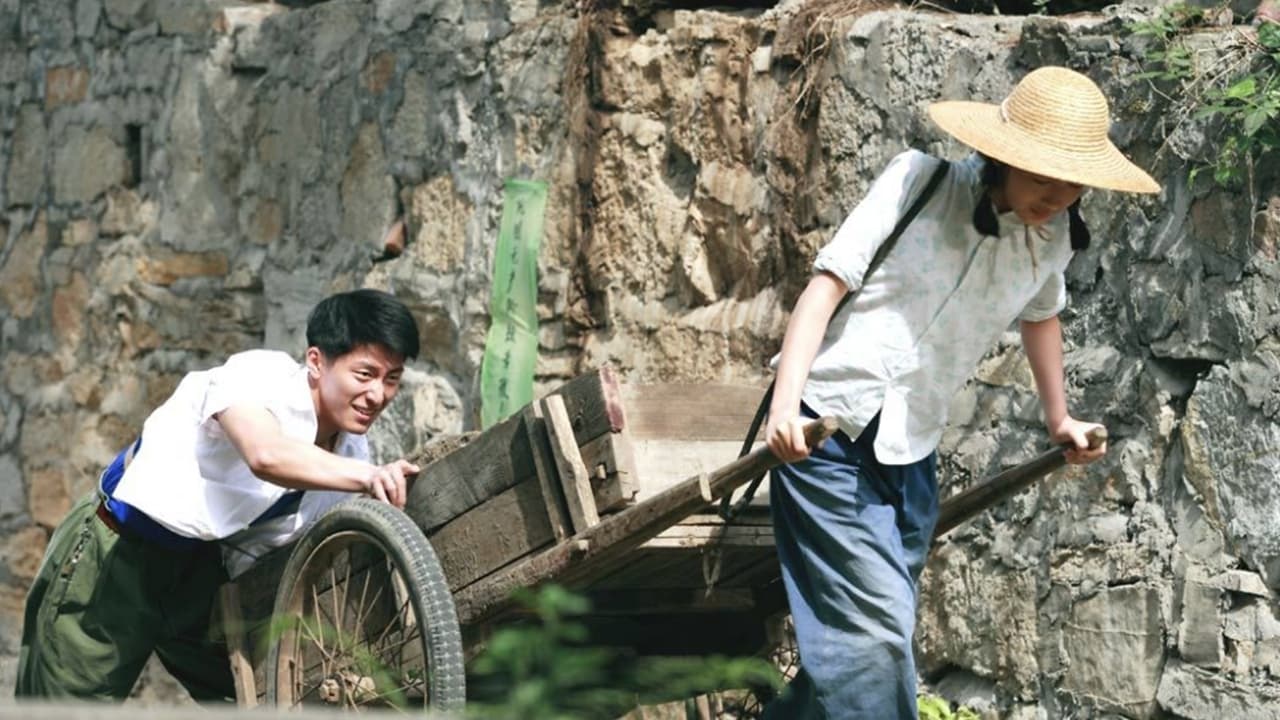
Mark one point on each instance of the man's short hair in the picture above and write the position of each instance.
(340, 323)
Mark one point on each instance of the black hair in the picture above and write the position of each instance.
(340, 323)
(984, 213)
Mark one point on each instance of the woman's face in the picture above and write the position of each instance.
(1035, 198)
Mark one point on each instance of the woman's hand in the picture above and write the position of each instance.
(784, 434)
(1073, 431)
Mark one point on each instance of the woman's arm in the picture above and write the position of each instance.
(1042, 341)
(784, 432)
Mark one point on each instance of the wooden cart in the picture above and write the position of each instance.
(605, 488)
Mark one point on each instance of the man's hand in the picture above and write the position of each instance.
(785, 437)
(390, 483)
(1073, 431)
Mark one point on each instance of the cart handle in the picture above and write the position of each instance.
(964, 505)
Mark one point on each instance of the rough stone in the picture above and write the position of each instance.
(87, 14)
(128, 14)
(185, 18)
(78, 233)
(21, 552)
(12, 491)
(1200, 631)
(368, 191)
(25, 181)
(86, 163)
(1115, 645)
(65, 85)
(1237, 463)
(69, 304)
(413, 134)
(378, 72)
(48, 495)
(20, 279)
(1196, 694)
(438, 219)
(168, 268)
(960, 627)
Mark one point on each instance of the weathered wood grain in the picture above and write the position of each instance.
(501, 457)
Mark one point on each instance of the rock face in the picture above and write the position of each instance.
(183, 180)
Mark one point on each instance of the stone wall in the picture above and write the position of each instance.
(181, 180)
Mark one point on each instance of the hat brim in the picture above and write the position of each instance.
(980, 126)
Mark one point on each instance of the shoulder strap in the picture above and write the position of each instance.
(729, 511)
(913, 210)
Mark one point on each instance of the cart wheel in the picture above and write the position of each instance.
(364, 618)
(783, 654)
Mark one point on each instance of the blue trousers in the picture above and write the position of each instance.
(852, 537)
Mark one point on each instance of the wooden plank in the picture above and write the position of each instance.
(500, 457)
(501, 529)
(661, 463)
(611, 466)
(233, 628)
(619, 533)
(573, 473)
(548, 478)
(689, 411)
(697, 537)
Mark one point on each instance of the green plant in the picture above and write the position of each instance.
(1250, 106)
(545, 670)
(1237, 91)
(933, 707)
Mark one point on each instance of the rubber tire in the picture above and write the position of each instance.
(411, 553)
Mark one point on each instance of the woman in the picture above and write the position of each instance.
(854, 518)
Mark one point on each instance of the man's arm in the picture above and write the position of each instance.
(1042, 341)
(298, 465)
(784, 432)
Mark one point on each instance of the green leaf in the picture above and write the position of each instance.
(1254, 120)
(1269, 35)
(1244, 89)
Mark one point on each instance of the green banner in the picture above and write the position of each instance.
(511, 349)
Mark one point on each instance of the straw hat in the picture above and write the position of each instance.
(1055, 124)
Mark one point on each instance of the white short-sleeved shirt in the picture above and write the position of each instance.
(923, 320)
(189, 477)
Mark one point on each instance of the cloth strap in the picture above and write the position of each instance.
(730, 510)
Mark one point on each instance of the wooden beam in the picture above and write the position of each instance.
(500, 457)
(611, 467)
(964, 505)
(573, 472)
(233, 627)
(548, 479)
(619, 533)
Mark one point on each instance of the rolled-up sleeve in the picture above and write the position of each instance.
(850, 251)
(1048, 301)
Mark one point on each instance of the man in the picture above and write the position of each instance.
(220, 467)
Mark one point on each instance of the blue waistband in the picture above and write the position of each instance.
(142, 525)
